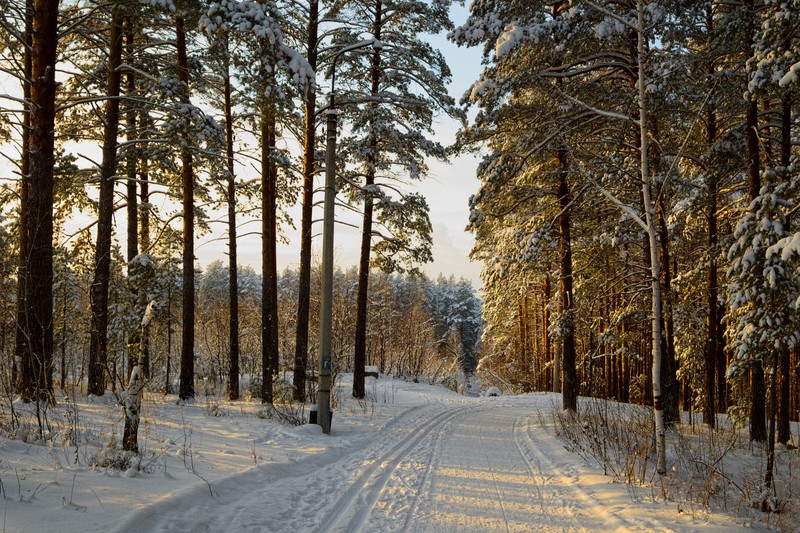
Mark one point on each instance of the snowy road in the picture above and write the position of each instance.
(480, 469)
(477, 465)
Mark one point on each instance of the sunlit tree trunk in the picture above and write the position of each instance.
(36, 369)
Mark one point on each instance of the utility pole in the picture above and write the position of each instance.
(325, 361)
(324, 387)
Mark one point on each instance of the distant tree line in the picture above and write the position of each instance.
(418, 328)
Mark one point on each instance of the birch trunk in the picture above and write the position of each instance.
(655, 271)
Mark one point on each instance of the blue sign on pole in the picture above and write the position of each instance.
(326, 363)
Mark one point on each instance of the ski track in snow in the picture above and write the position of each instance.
(587, 507)
(442, 467)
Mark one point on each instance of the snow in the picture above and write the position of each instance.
(148, 313)
(509, 40)
(791, 76)
(166, 4)
(413, 457)
(481, 88)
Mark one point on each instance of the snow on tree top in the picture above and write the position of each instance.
(508, 40)
(167, 4)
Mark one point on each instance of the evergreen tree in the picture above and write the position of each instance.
(100, 284)
(406, 85)
(36, 367)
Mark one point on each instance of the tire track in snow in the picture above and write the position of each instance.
(542, 481)
(476, 481)
(307, 495)
(352, 510)
(195, 509)
(494, 479)
(429, 466)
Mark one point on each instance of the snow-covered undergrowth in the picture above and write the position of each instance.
(63, 464)
(708, 469)
(235, 466)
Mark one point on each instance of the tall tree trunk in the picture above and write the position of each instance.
(105, 212)
(547, 383)
(186, 387)
(144, 190)
(304, 281)
(655, 273)
(36, 371)
(669, 365)
(233, 286)
(360, 348)
(131, 191)
(522, 352)
(569, 385)
(758, 391)
(710, 348)
(131, 130)
(784, 356)
(269, 274)
(22, 327)
(710, 359)
(144, 228)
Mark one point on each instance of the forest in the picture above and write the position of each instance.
(633, 212)
(637, 187)
(132, 129)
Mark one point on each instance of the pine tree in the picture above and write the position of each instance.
(309, 169)
(406, 86)
(108, 168)
(36, 368)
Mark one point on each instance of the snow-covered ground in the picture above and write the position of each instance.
(410, 458)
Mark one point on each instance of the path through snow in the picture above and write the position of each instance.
(480, 464)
